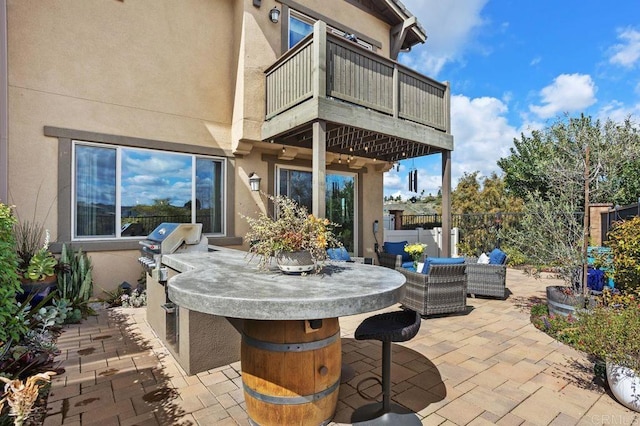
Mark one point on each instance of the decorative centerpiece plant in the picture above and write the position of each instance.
(292, 229)
(416, 251)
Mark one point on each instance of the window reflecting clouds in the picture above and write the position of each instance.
(154, 187)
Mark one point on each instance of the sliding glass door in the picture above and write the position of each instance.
(340, 199)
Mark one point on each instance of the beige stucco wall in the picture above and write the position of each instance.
(188, 72)
(159, 70)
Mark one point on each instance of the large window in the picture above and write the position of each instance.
(340, 199)
(125, 192)
(300, 25)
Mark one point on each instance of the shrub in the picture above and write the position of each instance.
(611, 330)
(514, 256)
(624, 241)
(12, 324)
(559, 327)
(75, 280)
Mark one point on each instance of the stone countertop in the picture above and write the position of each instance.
(224, 282)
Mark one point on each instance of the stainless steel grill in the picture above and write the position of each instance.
(169, 238)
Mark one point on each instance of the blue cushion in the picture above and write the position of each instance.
(397, 248)
(497, 257)
(338, 253)
(408, 265)
(595, 279)
(441, 261)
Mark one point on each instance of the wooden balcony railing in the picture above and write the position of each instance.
(326, 65)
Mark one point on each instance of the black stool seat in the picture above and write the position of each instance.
(398, 326)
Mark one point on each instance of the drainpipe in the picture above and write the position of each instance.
(4, 114)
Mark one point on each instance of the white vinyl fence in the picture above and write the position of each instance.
(431, 237)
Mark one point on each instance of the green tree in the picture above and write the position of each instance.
(558, 171)
(475, 198)
(554, 159)
(483, 195)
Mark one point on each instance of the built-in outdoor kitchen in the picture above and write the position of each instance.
(198, 341)
(210, 306)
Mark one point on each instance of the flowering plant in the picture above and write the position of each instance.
(292, 230)
(415, 250)
(611, 329)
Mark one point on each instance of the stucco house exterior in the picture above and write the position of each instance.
(112, 111)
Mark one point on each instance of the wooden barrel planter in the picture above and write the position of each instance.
(291, 371)
(561, 303)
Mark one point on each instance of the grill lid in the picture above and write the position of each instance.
(168, 237)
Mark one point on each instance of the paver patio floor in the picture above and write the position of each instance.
(487, 366)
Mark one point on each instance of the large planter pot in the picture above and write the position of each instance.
(295, 262)
(561, 303)
(37, 289)
(625, 385)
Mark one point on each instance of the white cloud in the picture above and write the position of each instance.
(481, 134)
(449, 26)
(618, 112)
(567, 93)
(626, 53)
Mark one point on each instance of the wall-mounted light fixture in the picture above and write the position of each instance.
(274, 15)
(254, 181)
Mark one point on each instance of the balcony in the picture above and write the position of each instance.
(373, 106)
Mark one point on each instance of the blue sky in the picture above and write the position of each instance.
(515, 66)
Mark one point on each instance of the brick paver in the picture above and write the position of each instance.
(487, 366)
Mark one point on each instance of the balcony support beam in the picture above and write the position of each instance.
(319, 168)
(446, 204)
(319, 80)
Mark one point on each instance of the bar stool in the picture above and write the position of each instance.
(397, 326)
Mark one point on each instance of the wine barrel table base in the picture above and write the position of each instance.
(291, 371)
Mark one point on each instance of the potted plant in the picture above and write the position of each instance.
(416, 251)
(296, 239)
(37, 265)
(610, 331)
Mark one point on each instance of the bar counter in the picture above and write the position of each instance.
(291, 350)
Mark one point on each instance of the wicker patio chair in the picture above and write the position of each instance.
(443, 290)
(389, 260)
(486, 280)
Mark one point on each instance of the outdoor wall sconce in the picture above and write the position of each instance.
(254, 181)
(274, 15)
